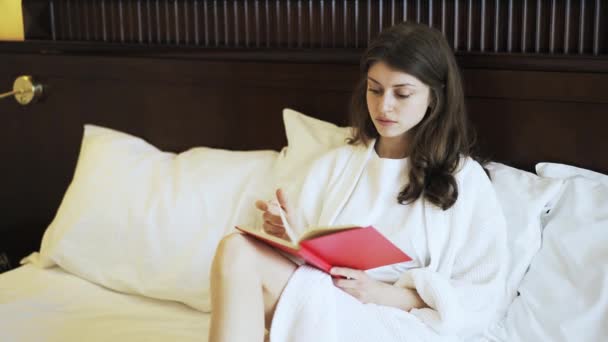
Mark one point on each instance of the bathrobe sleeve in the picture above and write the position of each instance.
(464, 282)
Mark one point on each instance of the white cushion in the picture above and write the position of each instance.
(564, 296)
(139, 220)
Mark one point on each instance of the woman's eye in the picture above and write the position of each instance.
(374, 91)
(403, 96)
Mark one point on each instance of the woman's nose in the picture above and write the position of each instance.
(387, 103)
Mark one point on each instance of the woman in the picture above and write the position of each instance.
(409, 171)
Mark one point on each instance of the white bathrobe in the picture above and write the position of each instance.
(460, 271)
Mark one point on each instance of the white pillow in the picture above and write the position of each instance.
(564, 296)
(563, 171)
(307, 139)
(139, 220)
(523, 195)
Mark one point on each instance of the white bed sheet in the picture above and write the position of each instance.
(53, 305)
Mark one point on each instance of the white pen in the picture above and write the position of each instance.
(274, 203)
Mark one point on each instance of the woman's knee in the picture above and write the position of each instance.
(233, 251)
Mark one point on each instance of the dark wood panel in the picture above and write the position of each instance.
(341, 56)
(209, 73)
(508, 26)
(523, 133)
(537, 85)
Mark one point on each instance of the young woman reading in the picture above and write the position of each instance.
(409, 170)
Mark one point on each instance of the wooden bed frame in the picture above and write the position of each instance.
(538, 103)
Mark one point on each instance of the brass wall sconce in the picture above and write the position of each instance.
(25, 90)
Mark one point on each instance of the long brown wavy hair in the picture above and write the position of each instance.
(444, 134)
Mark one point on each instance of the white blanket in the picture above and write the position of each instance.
(462, 282)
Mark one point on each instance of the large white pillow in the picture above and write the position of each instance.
(139, 220)
(523, 195)
(307, 139)
(563, 171)
(564, 296)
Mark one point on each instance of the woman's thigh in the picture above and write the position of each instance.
(272, 268)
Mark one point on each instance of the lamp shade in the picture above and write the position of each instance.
(11, 20)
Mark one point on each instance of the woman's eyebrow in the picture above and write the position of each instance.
(394, 85)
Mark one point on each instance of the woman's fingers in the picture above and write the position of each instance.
(262, 205)
(347, 273)
(272, 223)
(275, 220)
(269, 227)
(267, 215)
(274, 230)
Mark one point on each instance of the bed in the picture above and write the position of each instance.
(202, 105)
(53, 305)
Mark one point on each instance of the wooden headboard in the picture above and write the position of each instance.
(218, 73)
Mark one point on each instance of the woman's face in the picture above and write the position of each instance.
(396, 101)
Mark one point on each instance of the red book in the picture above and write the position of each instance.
(360, 248)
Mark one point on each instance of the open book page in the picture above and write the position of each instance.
(260, 233)
(275, 208)
(310, 233)
(315, 232)
(293, 245)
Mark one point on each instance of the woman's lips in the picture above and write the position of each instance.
(385, 122)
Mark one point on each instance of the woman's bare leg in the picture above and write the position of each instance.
(247, 278)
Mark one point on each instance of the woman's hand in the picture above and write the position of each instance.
(273, 224)
(368, 290)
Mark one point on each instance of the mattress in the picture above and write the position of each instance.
(53, 305)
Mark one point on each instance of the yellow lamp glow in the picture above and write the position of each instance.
(11, 20)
